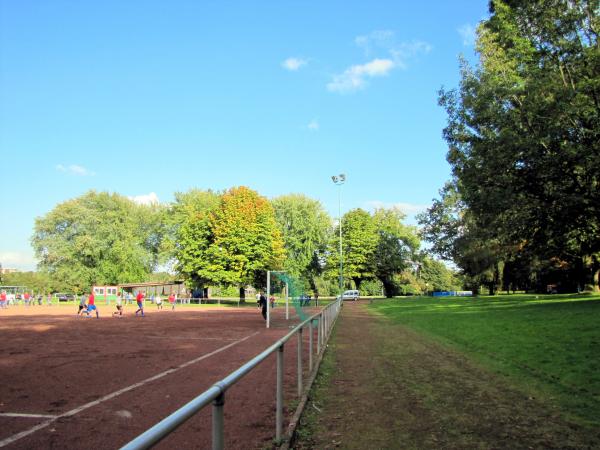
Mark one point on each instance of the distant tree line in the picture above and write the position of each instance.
(229, 240)
(522, 210)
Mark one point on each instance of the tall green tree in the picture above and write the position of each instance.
(442, 223)
(523, 131)
(188, 222)
(396, 249)
(455, 236)
(38, 282)
(359, 244)
(98, 238)
(242, 241)
(306, 230)
(437, 276)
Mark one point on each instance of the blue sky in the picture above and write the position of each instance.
(149, 98)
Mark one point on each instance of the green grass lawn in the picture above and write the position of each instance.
(548, 346)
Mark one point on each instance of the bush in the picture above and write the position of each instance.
(372, 288)
(409, 289)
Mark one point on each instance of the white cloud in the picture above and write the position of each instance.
(410, 209)
(313, 125)
(18, 260)
(354, 77)
(145, 199)
(468, 34)
(293, 64)
(397, 55)
(75, 169)
(376, 39)
(407, 50)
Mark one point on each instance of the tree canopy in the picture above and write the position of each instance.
(359, 243)
(98, 238)
(233, 242)
(524, 145)
(396, 247)
(375, 246)
(306, 229)
(221, 239)
(189, 234)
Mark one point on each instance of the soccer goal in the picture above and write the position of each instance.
(293, 292)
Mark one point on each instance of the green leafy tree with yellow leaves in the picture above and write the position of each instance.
(232, 242)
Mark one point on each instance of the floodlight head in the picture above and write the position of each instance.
(342, 177)
(334, 179)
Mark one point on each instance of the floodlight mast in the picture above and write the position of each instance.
(339, 180)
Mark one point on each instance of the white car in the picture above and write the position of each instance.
(350, 295)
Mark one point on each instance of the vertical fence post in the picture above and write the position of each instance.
(300, 362)
(217, 423)
(310, 346)
(287, 301)
(319, 323)
(279, 408)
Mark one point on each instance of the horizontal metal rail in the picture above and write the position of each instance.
(216, 393)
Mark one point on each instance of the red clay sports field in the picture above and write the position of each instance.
(71, 382)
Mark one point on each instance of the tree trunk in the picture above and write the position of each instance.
(242, 294)
(581, 274)
(497, 277)
(591, 273)
(313, 286)
(595, 272)
(388, 288)
(357, 282)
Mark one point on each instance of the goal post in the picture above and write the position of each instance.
(287, 297)
(294, 291)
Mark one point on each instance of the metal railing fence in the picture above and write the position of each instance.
(324, 320)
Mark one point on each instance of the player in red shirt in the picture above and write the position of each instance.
(140, 302)
(91, 306)
(3, 299)
(172, 301)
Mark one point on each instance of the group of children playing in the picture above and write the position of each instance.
(91, 304)
(26, 298)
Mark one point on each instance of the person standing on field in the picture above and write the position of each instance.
(158, 300)
(82, 304)
(140, 302)
(262, 303)
(119, 305)
(92, 305)
(172, 301)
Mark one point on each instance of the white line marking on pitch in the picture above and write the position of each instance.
(22, 434)
(34, 416)
(189, 338)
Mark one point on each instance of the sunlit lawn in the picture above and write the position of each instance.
(549, 346)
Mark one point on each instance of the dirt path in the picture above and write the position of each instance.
(383, 386)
